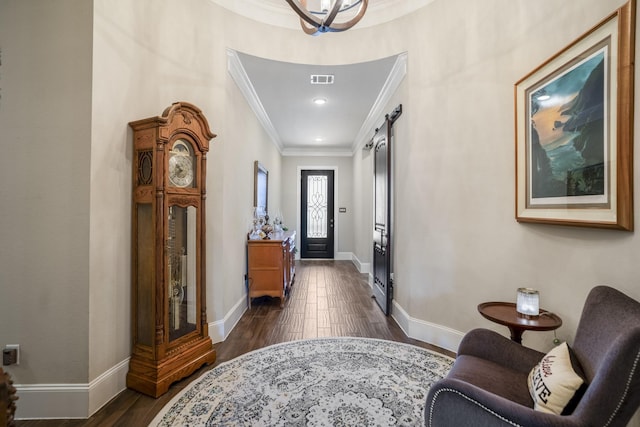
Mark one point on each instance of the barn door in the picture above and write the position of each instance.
(382, 227)
(381, 230)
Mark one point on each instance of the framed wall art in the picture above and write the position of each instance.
(574, 131)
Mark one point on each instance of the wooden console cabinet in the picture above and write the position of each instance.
(271, 266)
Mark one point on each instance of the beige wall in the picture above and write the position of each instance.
(73, 76)
(45, 138)
(156, 54)
(457, 173)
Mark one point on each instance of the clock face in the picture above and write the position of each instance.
(181, 172)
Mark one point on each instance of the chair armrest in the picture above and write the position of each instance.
(455, 403)
(490, 345)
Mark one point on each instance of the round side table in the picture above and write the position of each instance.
(504, 313)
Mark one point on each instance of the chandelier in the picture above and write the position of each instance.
(320, 17)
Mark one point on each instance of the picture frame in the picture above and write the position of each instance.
(260, 188)
(574, 131)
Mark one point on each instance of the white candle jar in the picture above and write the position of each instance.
(528, 302)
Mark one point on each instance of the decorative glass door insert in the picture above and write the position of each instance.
(317, 196)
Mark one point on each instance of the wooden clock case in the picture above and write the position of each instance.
(169, 322)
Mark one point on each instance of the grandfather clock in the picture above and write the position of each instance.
(169, 322)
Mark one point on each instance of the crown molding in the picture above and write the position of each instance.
(377, 111)
(239, 75)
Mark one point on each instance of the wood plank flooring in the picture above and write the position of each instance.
(328, 298)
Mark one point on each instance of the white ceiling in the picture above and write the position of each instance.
(281, 95)
(298, 126)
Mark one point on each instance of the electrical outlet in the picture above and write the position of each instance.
(15, 347)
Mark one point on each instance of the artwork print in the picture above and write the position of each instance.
(574, 130)
(567, 142)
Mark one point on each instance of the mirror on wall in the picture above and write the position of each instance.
(261, 188)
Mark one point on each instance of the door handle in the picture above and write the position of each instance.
(331, 223)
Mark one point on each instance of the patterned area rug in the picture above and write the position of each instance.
(318, 382)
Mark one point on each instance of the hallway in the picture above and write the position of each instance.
(328, 298)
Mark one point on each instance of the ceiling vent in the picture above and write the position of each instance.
(321, 79)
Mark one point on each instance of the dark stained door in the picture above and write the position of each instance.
(316, 214)
(381, 230)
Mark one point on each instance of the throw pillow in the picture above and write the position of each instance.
(556, 383)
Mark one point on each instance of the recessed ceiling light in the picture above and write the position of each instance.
(319, 139)
(320, 101)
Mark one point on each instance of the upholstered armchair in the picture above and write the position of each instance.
(488, 385)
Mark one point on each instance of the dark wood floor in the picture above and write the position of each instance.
(328, 298)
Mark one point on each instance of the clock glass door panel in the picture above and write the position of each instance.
(181, 264)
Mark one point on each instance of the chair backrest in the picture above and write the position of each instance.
(607, 345)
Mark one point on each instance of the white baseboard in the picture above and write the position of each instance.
(428, 332)
(80, 401)
(337, 256)
(363, 267)
(431, 333)
(107, 386)
(52, 401)
(70, 401)
(220, 329)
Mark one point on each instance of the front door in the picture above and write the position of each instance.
(316, 214)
